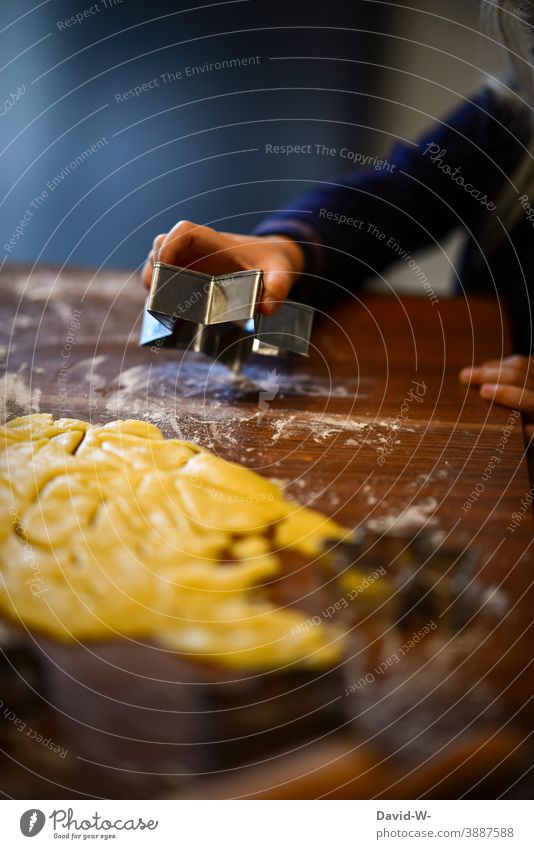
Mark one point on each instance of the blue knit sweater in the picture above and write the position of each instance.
(355, 226)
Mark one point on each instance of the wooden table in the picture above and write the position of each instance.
(374, 424)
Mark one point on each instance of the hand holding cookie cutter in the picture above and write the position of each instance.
(220, 317)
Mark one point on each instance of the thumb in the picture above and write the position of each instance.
(277, 282)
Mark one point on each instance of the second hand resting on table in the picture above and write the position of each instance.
(509, 381)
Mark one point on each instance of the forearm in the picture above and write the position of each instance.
(355, 226)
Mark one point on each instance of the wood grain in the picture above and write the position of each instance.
(137, 720)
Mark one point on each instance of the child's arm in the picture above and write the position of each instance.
(349, 228)
(358, 224)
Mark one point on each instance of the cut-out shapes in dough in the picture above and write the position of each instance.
(115, 531)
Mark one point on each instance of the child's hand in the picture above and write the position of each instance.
(203, 249)
(509, 382)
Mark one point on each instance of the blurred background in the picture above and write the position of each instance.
(117, 119)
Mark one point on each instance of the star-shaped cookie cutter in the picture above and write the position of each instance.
(220, 317)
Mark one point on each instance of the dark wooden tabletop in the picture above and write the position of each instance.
(375, 430)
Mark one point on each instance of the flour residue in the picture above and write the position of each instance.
(90, 375)
(16, 395)
(23, 322)
(196, 378)
(205, 402)
(411, 518)
(325, 427)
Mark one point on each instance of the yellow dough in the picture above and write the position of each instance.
(116, 531)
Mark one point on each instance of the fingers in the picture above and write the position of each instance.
(186, 238)
(277, 284)
(515, 362)
(186, 242)
(146, 273)
(509, 396)
(509, 382)
(189, 244)
(281, 269)
(500, 373)
(158, 241)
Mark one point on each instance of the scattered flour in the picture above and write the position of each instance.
(495, 601)
(324, 427)
(24, 321)
(412, 518)
(280, 426)
(200, 401)
(95, 380)
(38, 293)
(370, 498)
(90, 361)
(63, 310)
(143, 392)
(17, 396)
(195, 377)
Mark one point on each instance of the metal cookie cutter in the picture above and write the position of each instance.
(219, 316)
(407, 576)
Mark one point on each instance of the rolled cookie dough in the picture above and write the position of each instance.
(115, 531)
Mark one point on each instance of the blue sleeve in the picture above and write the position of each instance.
(355, 226)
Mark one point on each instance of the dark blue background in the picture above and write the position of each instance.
(174, 152)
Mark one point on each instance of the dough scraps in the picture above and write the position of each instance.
(115, 531)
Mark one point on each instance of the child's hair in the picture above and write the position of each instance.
(512, 23)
